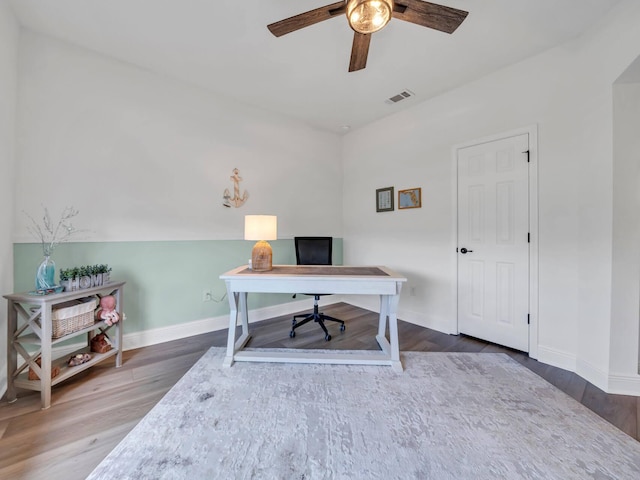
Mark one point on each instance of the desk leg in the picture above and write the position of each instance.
(393, 301)
(237, 306)
(384, 312)
(120, 304)
(12, 354)
(244, 322)
(45, 357)
(233, 320)
(388, 309)
(244, 314)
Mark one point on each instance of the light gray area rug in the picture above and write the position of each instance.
(448, 416)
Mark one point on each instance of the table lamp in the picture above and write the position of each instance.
(261, 228)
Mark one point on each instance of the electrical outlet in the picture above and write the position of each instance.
(207, 295)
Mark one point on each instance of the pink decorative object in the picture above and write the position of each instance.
(107, 310)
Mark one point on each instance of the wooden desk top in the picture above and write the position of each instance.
(319, 270)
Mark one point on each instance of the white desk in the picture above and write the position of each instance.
(315, 279)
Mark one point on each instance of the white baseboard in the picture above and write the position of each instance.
(372, 303)
(592, 374)
(624, 384)
(418, 318)
(175, 332)
(556, 358)
(619, 384)
(197, 327)
(205, 325)
(614, 383)
(364, 301)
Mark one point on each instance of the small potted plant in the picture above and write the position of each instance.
(66, 275)
(96, 276)
(84, 274)
(75, 278)
(105, 271)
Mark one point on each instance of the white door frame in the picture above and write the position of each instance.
(532, 131)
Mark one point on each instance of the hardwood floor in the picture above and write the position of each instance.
(94, 410)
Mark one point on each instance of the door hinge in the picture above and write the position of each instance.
(528, 237)
(528, 155)
(528, 319)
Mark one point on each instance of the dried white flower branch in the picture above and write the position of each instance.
(51, 235)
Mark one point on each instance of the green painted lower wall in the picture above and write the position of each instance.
(165, 280)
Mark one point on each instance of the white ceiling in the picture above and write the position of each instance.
(224, 45)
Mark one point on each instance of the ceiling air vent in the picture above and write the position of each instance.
(399, 97)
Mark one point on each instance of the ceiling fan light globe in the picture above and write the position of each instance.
(369, 16)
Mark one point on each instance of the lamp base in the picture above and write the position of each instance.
(261, 257)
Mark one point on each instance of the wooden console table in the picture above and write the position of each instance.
(317, 279)
(29, 322)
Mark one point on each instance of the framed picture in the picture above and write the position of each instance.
(410, 198)
(384, 199)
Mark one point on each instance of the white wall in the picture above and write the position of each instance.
(626, 230)
(8, 77)
(147, 158)
(567, 92)
(144, 157)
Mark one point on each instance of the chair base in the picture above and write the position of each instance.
(317, 317)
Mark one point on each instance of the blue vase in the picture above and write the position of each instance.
(45, 274)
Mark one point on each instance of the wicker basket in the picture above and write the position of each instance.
(72, 316)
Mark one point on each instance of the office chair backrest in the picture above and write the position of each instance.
(314, 250)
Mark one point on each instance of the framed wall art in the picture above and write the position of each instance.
(410, 198)
(384, 199)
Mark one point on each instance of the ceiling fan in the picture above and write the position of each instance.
(368, 16)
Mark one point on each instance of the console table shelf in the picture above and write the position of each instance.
(29, 322)
(22, 381)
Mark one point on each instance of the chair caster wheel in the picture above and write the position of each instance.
(342, 327)
(327, 337)
(292, 333)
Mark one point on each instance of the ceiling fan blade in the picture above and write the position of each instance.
(311, 17)
(359, 51)
(431, 15)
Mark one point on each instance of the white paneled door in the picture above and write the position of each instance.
(493, 241)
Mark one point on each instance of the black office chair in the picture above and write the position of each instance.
(314, 251)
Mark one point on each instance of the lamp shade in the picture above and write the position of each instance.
(260, 227)
(368, 16)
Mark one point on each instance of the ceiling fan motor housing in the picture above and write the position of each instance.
(368, 16)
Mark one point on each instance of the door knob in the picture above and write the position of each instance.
(464, 250)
